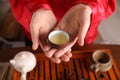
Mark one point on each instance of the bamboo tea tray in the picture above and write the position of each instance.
(76, 69)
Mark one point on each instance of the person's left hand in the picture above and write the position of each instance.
(76, 23)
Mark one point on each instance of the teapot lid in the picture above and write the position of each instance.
(24, 57)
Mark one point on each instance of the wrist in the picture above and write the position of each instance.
(41, 10)
(84, 7)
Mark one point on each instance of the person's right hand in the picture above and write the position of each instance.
(42, 22)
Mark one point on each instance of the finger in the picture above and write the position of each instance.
(50, 52)
(82, 32)
(65, 58)
(35, 38)
(69, 54)
(63, 50)
(56, 60)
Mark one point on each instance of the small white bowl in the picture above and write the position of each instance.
(58, 37)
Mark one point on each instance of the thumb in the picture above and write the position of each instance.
(35, 39)
(82, 33)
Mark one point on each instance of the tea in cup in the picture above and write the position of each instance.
(102, 61)
(58, 38)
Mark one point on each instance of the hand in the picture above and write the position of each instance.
(76, 23)
(42, 22)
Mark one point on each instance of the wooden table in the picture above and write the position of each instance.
(76, 69)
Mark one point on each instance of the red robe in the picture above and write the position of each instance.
(101, 9)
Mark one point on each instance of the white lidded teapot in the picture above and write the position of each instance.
(24, 62)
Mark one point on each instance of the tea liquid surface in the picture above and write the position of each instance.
(59, 39)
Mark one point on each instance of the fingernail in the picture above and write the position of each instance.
(34, 47)
(59, 61)
(81, 43)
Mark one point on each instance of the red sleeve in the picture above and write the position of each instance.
(23, 10)
(101, 9)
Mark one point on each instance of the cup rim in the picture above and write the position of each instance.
(58, 32)
(99, 51)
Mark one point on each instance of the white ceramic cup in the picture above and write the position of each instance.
(58, 38)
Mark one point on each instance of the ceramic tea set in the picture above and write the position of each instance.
(24, 62)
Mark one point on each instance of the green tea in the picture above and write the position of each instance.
(59, 39)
